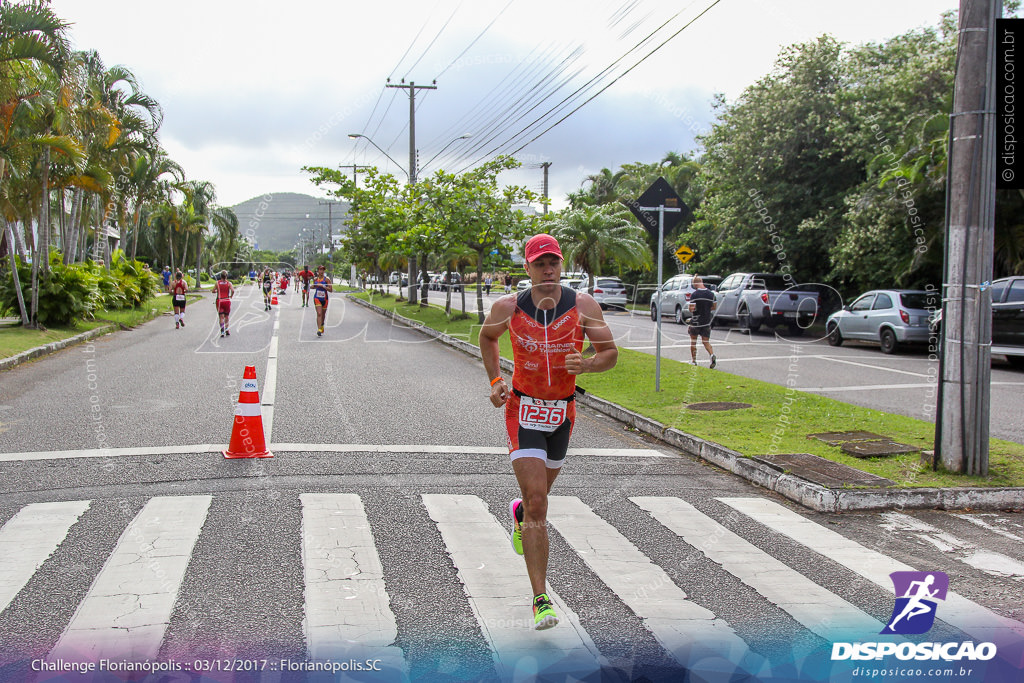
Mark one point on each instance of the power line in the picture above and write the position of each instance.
(644, 58)
(427, 49)
(473, 42)
(596, 80)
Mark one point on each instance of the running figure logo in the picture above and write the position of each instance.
(917, 594)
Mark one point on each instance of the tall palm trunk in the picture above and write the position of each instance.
(71, 254)
(135, 230)
(41, 263)
(10, 252)
(14, 268)
(62, 223)
(44, 214)
(199, 259)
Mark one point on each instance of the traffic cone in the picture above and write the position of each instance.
(247, 439)
(273, 301)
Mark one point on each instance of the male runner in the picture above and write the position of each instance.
(702, 305)
(304, 275)
(224, 290)
(321, 285)
(547, 324)
(178, 290)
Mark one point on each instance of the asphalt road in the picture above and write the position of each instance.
(652, 551)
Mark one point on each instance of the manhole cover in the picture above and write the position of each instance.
(822, 471)
(836, 438)
(717, 405)
(871, 449)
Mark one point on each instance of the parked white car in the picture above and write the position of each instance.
(608, 292)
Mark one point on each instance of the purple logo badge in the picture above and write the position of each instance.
(917, 594)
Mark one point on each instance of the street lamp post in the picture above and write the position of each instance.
(411, 175)
(364, 137)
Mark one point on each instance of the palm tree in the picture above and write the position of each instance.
(33, 46)
(590, 236)
(603, 185)
(146, 175)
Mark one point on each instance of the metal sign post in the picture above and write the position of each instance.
(661, 253)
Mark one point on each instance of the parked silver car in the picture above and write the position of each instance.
(674, 298)
(608, 292)
(888, 316)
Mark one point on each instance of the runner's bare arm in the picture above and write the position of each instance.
(494, 326)
(600, 336)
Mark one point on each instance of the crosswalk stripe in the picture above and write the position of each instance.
(992, 563)
(29, 538)
(496, 582)
(127, 609)
(689, 632)
(346, 601)
(819, 610)
(973, 619)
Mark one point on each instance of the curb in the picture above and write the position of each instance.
(809, 494)
(52, 347)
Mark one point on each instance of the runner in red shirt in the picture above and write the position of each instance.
(547, 324)
(178, 289)
(304, 275)
(223, 292)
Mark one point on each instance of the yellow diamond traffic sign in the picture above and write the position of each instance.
(684, 254)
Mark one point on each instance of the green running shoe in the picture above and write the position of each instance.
(515, 508)
(543, 614)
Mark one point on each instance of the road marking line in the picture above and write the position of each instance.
(686, 630)
(992, 563)
(270, 382)
(498, 588)
(978, 521)
(29, 538)
(125, 614)
(873, 367)
(347, 609)
(866, 387)
(973, 619)
(819, 610)
(317, 448)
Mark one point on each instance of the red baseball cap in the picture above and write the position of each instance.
(541, 244)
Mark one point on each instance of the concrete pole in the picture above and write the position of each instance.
(963, 410)
(412, 166)
(546, 165)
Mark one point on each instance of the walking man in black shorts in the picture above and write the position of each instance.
(702, 306)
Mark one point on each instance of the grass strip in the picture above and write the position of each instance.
(778, 421)
(15, 339)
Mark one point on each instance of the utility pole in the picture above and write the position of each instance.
(412, 87)
(545, 166)
(355, 168)
(330, 231)
(962, 418)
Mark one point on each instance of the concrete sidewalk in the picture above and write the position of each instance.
(839, 496)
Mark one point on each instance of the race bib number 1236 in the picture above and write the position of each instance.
(542, 415)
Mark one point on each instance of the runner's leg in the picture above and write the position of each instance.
(535, 480)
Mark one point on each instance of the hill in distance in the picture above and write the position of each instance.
(277, 220)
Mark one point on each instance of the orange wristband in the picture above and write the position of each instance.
(497, 379)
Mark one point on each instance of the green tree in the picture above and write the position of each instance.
(773, 171)
(590, 237)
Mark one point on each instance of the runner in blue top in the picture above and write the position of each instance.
(321, 285)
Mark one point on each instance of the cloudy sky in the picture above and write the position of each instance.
(252, 91)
